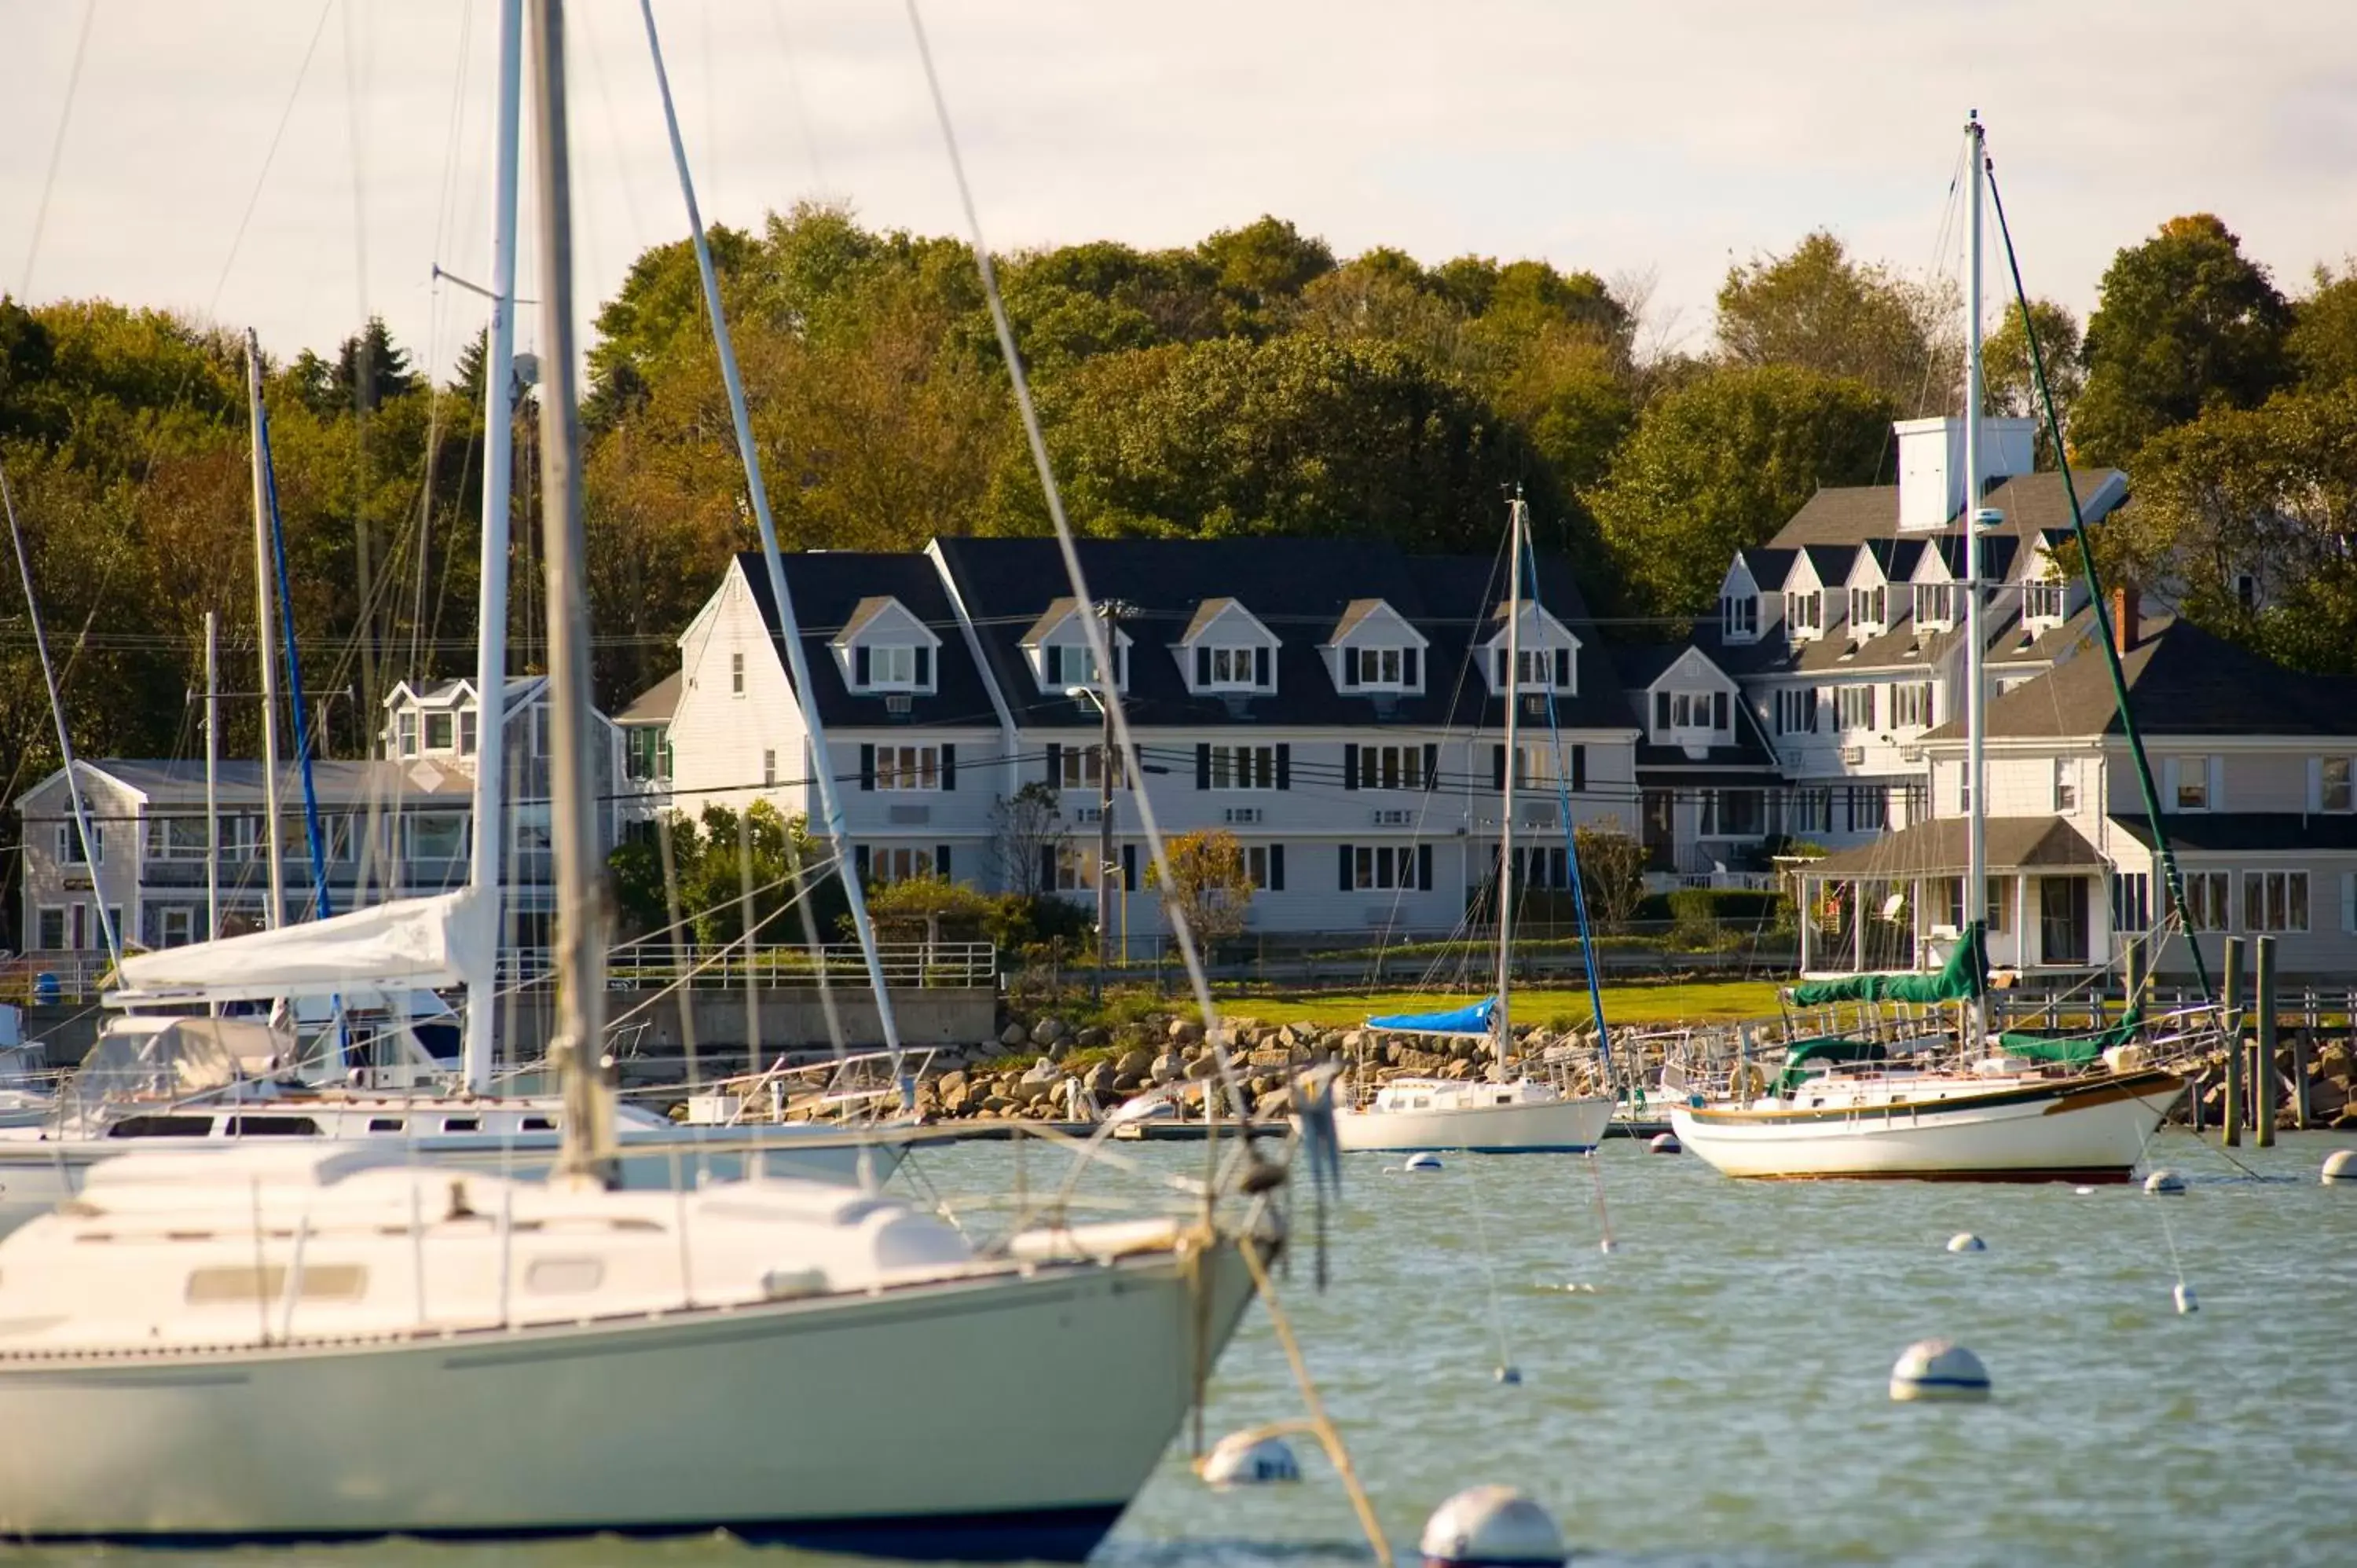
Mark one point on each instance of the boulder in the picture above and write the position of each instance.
(1042, 1072)
(1186, 1031)
(1015, 1037)
(1047, 1031)
(1134, 1062)
(1096, 1038)
(955, 1078)
(994, 1104)
(957, 1101)
(1275, 1105)
(1127, 1083)
(1101, 1078)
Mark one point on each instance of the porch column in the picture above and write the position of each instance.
(1801, 884)
(2021, 958)
(1857, 925)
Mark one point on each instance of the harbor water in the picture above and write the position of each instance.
(1715, 1390)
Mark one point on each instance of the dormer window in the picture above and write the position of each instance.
(1739, 616)
(1225, 648)
(2043, 601)
(1066, 665)
(883, 648)
(1805, 614)
(1541, 669)
(1392, 668)
(440, 731)
(892, 667)
(1704, 711)
(1232, 669)
(465, 732)
(1935, 604)
(405, 725)
(1867, 608)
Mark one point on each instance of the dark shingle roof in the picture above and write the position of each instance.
(1300, 589)
(1851, 514)
(2235, 832)
(829, 587)
(2182, 681)
(654, 706)
(1940, 848)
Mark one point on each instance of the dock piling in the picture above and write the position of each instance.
(2264, 1083)
(2230, 1122)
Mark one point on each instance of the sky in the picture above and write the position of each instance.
(297, 165)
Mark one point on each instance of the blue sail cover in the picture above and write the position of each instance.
(1473, 1020)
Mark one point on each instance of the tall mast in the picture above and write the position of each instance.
(1976, 899)
(491, 600)
(265, 639)
(586, 1152)
(212, 776)
(1513, 685)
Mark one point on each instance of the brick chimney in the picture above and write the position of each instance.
(2126, 605)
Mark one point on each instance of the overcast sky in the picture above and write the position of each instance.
(1670, 137)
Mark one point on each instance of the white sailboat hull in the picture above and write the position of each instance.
(36, 1175)
(1546, 1126)
(2087, 1130)
(1009, 1416)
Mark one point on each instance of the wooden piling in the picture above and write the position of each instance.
(2263, 1054)
(2131, 977)
(2230, 1119)
(2303, 1041)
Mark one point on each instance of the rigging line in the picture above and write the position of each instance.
(261, 176)
(1189, 951)
(1571, 861)
(57, 150)
(796, 96)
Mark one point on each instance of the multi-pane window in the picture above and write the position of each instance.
(2208, 900)
(1796, 711)
(1241, 767)
(1870, 807)
(1076, 868)
(2274, 900)
(405, 729)
(1854, 707)
(1805, 612)
(1229, 666)
(2042, 601)
(908, 767)
(1265, 868)
(1081, 768)
(646, 751)
(440, 729)
(1063, 664)
(465, 732)
(1691, 710)
(1738, 616)
(1910, 704)
(1867, 606)
(1538, 766)
(1809, 811)
(1391, 768)
(2066, 788)
(1379, 667)
(2131, 901)
(1935, 603)
(70, 843)
(735, 674)
(2333, 793)
(176, 838)
(435, 835)
(2193, 784)
(898, 863)
(768, 770)
(891, 664)
(50, 929)
(1383, 866)
(1538, 667)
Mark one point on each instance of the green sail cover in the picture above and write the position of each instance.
(2070, 1050)
(1830, 1049)
(1964, 977)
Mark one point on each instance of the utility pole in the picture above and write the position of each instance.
(1109, 611)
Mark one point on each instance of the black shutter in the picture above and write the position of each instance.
(1718, 710)
(1424, 867)
(859, 666)
(1349, 667)
(1661, 710)
(1579, 767)
(1046, 868)
(867, 767)
(1052, 658)
(1259, 667)
(942, 861)
(1284, 766)
(925, 665)
(1202, 764)
(1498, 767)
(1055, 764)
(1202, 667)
(1129, 867)
(1431, 765)
(1563, 668)
(859, 862)
(1276, 868)
(1350, 767)
(949, 766)
(1342, 876)
(1407, 667)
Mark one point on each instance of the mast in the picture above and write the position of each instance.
(1976, 899)
(265, 638)
(491, 599)
(1513, 685)
(586, 1152)
(212, 776)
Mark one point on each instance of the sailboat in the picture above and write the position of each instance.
(1509, 1112)
(293, 1342)
(1851, 1107)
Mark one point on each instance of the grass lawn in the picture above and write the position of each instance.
(1697, 1002)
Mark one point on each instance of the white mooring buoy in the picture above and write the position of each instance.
(1664, 1144)
(1510, 1374)
(1939, 1370)
(2165, 1180)
(2183, 1296)
(1250, 1459)
(1426, 1160)
(2084, 1191)
(1965, 1241)
(2341, 1166)
(1485, 1526)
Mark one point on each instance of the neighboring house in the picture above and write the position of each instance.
(1336, 704)
(1713, 805)
(645, 727)
(2256, 770)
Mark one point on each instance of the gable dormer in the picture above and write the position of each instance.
(1227, 649)
(436, 721)
(1743, 613)
(883, 649)
(1548, 654)
(1057, 651)
(1374, 651)
(1806, 613)
(1937, 602)
(1869, 608)
(1691, 704)
(2048, 590)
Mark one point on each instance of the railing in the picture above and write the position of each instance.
(637, 965)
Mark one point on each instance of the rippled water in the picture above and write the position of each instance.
(1715, 1390)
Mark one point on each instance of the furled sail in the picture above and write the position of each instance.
(1962, 978)
(408, 943)
(1474, 1020)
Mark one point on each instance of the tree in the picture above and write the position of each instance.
(927, 908)
(2185, 321)
(2323, 340)
(1816, 309)
(1027, 831)
(1209, 885)
(1718, 464)
(1612, 874)
(715, 856)
(2010, 379)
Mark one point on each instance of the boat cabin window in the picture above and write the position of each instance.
(1505, 1100)
(563, 1277)
(1419, 1103)
(271, 1127)
(539, 1124)
(245, 1283)
(162, 1127)
(385, 1124)
(462, 1123)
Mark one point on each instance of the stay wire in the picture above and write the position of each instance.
(57, 151)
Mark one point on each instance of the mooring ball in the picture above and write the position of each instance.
(1664, 1144)
(1250, 1459)
(1939, 1370)
(2183, 1296)
(2165, 1181)
(1426, 1160)
(1492, 1525)
(1510, 1374)
(2341, 1166)
(1965, 1241)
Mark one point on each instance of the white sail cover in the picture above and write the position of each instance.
(406, 944)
